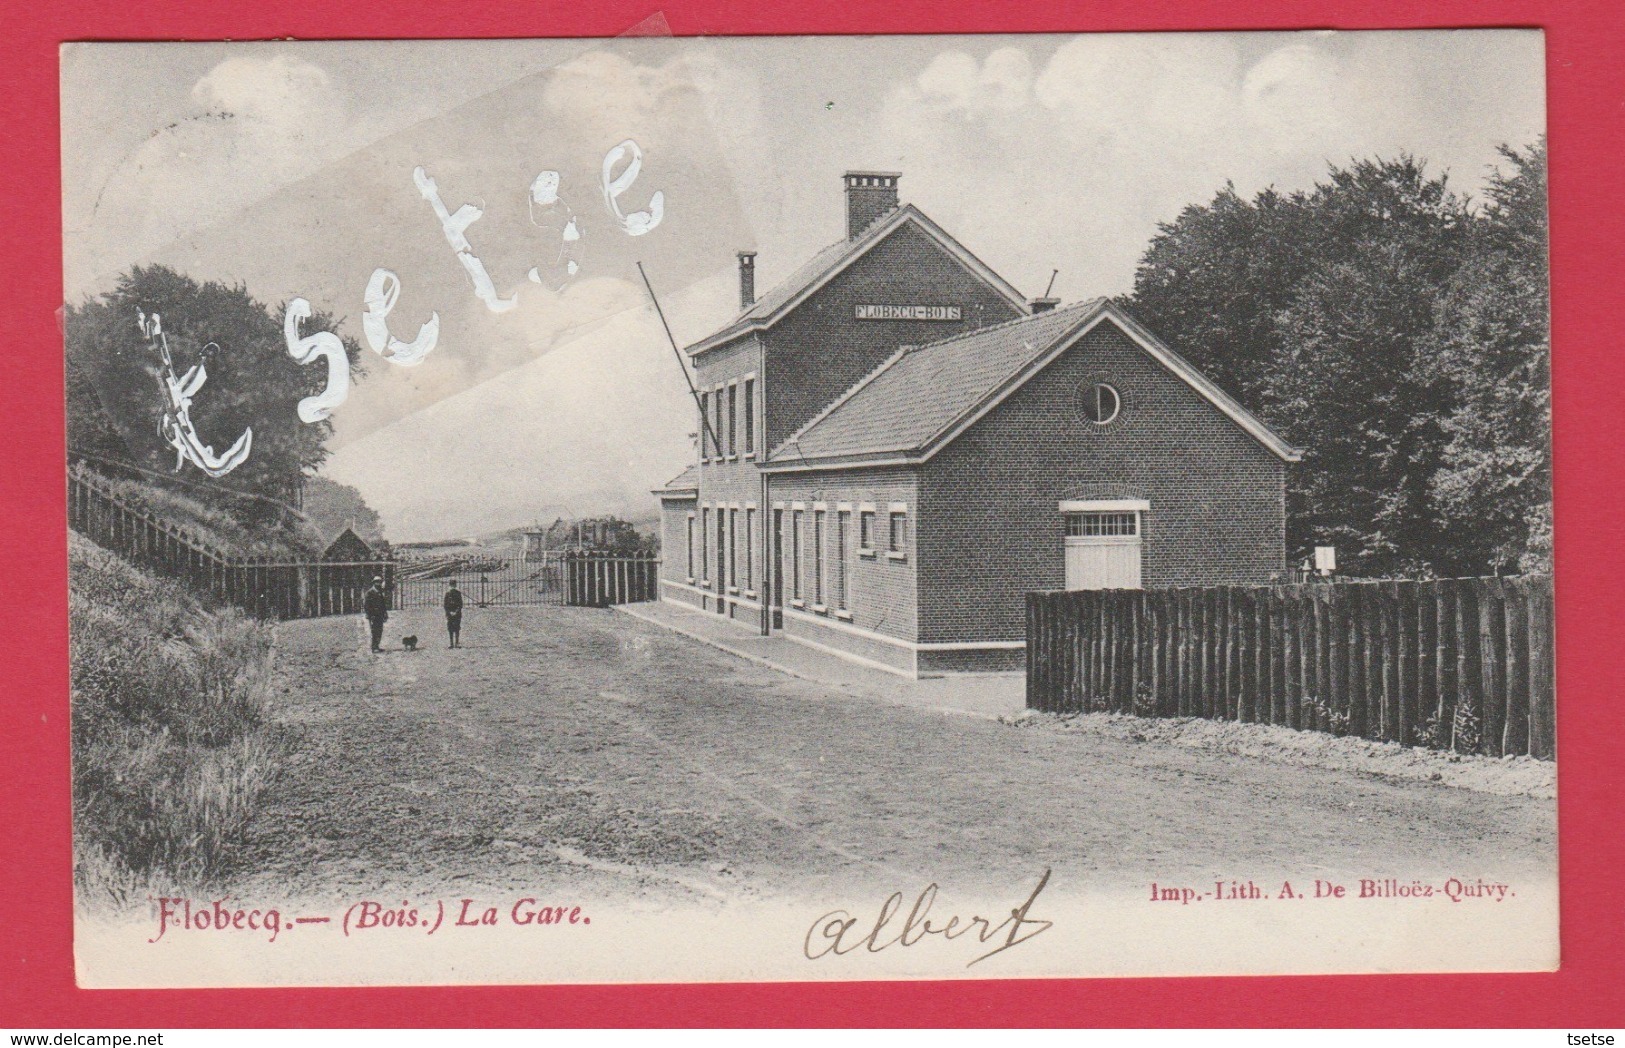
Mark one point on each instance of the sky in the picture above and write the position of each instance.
(288, 167)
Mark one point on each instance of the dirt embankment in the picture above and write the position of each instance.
(1505, 776)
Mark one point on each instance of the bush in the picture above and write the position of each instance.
(171, 746)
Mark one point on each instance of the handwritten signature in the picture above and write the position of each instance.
(837, 933)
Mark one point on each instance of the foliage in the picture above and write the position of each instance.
(171, 746)
(286, 537)
(331, 507)
(1491, 344)
(116, 396)
(1398, 335)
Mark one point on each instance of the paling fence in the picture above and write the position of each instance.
(291, 589)
(1453, 664)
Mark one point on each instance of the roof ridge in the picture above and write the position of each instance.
(1024, 318)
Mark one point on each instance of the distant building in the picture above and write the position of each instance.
(349, 547)
(896, 447)
(593, 533)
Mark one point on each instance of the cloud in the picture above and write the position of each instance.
(259, 124)
(1129, 129)
(281, 90)
(588, 428)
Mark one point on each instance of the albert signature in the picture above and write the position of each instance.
(836, 932)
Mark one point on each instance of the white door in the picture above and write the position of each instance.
(1103, 550)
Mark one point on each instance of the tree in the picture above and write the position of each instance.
(331, 507)
(1394, 332)
(1491, 343)
(1212, 281)
(116, 395)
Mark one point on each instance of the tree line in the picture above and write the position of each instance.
(1398, 332)
(116, 393)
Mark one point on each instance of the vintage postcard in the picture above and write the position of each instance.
(809, 508)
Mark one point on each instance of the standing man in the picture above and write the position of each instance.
(376, 606)
(454, 615)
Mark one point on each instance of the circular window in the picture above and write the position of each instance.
(1099, 403)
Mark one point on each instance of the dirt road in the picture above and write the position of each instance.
(570, 746)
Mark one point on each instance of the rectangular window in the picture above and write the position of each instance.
(818, 556)
(1102, 525)
(722, 548)
(866, 531)
(717, 434)
(843, 529)
(705, 539)
(733, 420)
(750, 416)
(733, 549)
(897, 531)
(750, 548)
(705, 427)
(691, 547)
(795, 555)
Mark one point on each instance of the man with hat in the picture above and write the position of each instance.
(376, 606)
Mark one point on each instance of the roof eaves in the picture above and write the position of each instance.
(864, 459)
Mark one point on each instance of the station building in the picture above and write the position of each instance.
(896, 447)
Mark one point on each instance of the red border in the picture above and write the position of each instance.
(1586, 89)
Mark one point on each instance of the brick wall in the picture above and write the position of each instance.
(989, 528)
(821, 350)
(674, 538)
(730, 483)
(880, 595)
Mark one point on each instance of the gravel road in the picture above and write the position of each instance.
(566, 746)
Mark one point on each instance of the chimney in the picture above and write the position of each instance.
(1043, 305)
(870, 196)
(747, 279)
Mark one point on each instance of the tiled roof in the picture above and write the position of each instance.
(688, 480)
(922, 390)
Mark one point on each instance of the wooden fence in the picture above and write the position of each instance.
(293, 589)
(1456, 664)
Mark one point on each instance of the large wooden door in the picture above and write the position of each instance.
(1103, 550)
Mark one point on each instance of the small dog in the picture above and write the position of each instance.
(409, 643)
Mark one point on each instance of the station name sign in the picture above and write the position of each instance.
(908, 312)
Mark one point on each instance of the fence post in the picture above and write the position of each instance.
(1542, 709)
(1515, 732)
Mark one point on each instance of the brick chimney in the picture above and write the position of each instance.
(1043, 305)
(747, 279)
(870, 196)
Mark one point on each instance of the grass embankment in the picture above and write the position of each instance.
(293, 540)
(172, 747)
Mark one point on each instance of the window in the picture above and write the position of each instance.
(705, 538)
(795, 556)
(716, 433)
(733, 420)
(691, 547)
(866, 532)
(897, 532)
(1102, 525)
(705, 426)
(818, 557)
(1099, 403)
(750, 547)
(750, 416)
(733, 549)
(843, 529)
(722, 548)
